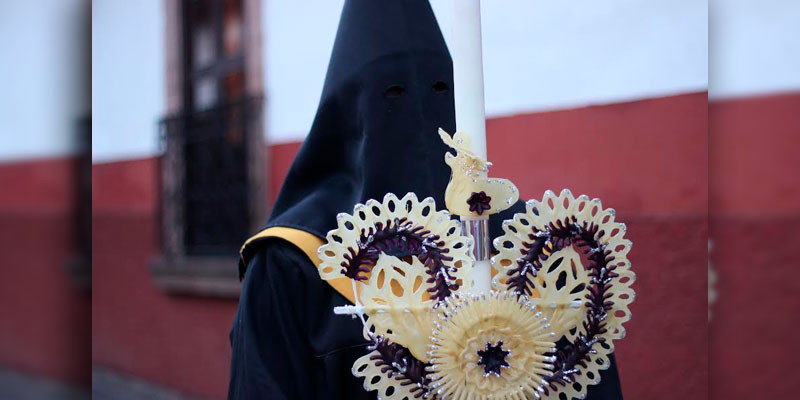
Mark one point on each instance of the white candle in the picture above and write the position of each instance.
(465, 49)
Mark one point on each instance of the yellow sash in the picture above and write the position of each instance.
(308, 243)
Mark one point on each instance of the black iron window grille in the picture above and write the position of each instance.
(207, 189)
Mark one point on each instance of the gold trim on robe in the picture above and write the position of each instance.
(308, 243)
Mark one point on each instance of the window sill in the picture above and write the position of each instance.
(197, 276)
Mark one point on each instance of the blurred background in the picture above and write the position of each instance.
(200, 106)
(45, 184)
(196, 108)
(754, 197)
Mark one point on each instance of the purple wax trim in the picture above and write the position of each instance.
(479, 202)
(396, 361)
(493, 358)
(585, 237)
(401, 238)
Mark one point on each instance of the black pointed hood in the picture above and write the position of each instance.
(387, 91)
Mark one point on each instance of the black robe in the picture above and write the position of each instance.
(386, 92)
(287, 342)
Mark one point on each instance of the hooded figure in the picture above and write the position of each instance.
(386, 93)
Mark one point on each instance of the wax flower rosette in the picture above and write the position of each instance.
(546, 328)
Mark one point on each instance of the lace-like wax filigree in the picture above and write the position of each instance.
(490, 347)
(402, 256)
(569, 255)
(397, 304)
(391, 371)
(403, 227)
(560, 298)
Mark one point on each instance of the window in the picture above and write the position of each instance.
(212, 168)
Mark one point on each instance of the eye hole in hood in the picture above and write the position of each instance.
(394, 91)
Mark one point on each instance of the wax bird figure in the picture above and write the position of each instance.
(387, 91)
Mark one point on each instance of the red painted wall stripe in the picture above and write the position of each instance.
(648, 156)
(126, 187)
(44, 318)
(40, 186)
(754, 155)
(755, 206)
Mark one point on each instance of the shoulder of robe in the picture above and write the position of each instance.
(306, 242)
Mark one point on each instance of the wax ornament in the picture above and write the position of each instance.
(405, 227)
(545, 329)
(398, 305)
(470, 191)
(570, 255)
(490, 346)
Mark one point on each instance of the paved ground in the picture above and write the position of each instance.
(16, 386)
(106, 385)
(110, 385)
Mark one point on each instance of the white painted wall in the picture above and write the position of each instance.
(755, 47)
(128, 73)
(538, 55)
(297, 47)
(42, 92)
(542, 55)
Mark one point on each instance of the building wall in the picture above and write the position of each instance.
(181, 342)
(128, 77)
(662, 199)
(539, 56)
(45, 324)
(43, 79)
(754, 202)
(603, 54)
(136, 325)
(44, 312)
(645, 157)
